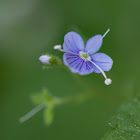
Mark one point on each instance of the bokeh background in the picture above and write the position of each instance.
(29, 28)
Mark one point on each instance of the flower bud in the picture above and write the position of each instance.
(49, 60)
(45, 59)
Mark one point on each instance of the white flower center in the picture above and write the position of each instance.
(84, 56)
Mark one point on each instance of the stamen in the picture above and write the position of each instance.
(100, 39)
(108, 81)
(58, 47)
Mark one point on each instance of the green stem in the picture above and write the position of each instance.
(77, 98)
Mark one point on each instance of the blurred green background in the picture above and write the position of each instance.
(30, 28)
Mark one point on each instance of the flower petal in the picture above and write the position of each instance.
(94, 44)
(77, 64)
(103, 61)
(73, 42)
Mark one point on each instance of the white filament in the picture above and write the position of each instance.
(58, 47)
(67, 51)
(108, 81)
(106, 33)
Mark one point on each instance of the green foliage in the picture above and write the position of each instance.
(48, 100)
(125, 125)
(49, 113)
(41, 98)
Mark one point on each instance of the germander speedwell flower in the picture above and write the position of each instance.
(85, 60)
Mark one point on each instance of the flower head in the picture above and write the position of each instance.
(85, 59)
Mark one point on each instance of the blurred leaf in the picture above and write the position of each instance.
(49, 113)
(47, 96)
(125, 125)
(40, 98)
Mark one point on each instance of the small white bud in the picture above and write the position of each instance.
(57, 47)
(45, 59)
(108, 81)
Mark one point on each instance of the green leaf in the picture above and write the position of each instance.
(41, 98)
(49, 113)
(125, 125)
(47, 96)
(37, 99)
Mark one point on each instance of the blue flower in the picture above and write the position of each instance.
(85, 59)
